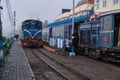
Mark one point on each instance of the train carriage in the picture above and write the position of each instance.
(109, 36)
(89, 38)
(61, 32)
(32, 33)
(100, 38)
(58, 36)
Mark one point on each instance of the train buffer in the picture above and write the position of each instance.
(16, 65)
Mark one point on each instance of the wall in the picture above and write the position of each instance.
(110, 6)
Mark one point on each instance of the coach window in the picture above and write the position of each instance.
(53, 34)
(106, 23)
(83, 37)
(65, 31)
(54, 31)
(50, 32)
(58, 32)
(102, 27)
(62, 31)
(94, 30)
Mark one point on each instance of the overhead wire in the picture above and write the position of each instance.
(10, 15)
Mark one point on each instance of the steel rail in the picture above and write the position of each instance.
(71, 71)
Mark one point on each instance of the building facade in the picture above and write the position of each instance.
(104, 7)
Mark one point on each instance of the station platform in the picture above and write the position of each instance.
(16, 66)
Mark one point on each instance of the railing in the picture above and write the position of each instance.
(5, 49)
(8, 44)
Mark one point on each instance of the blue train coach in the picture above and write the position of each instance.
(101, 38)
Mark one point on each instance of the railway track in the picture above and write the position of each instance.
(40, 69)
(78, 66)
(61, 69)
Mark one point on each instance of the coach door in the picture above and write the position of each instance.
(117, 29)
(85, 34)
(95, 33)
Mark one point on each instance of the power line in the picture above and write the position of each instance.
(10, 15)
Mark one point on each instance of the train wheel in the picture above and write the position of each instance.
(93, 54)
(105, 58)
(90, 54)
(86, 51)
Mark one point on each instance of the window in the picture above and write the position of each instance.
(104, 3)
(106, 23)
(37, 25)
(97, 4)
(28, 25)
(66, 31)
(115, 1)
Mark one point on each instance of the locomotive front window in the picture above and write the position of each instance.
(28, 25)
(33, 22)
(37, 25)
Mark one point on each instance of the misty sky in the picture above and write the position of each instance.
(42, 9)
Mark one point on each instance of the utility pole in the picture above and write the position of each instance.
(14, 21)
(72, 53)
(0, 22)
(1, 53)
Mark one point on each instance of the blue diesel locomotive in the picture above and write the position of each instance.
(32, 33)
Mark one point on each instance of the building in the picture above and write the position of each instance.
(104, 7)
(82, 8)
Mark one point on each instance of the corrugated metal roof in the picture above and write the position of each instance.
(69, 21)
